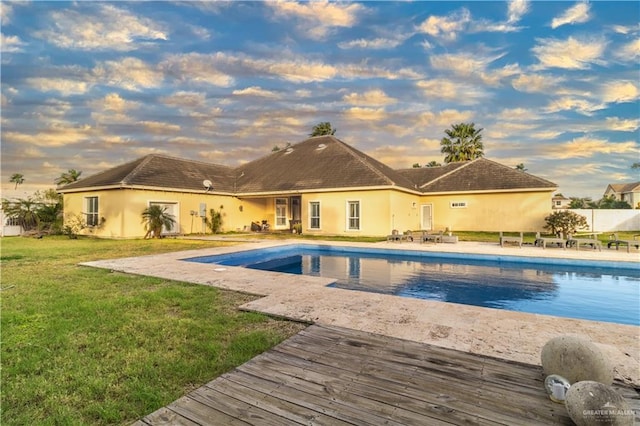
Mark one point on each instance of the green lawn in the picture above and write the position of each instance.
(88, 346)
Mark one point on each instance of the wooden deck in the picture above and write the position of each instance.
(335, 376)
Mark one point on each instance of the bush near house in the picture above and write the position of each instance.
(565, 222)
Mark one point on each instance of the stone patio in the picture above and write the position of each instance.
(504, 334)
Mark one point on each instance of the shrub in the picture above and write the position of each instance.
(565, 222)
(215, 223)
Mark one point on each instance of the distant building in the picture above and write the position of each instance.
(629, 192)
(559, 201)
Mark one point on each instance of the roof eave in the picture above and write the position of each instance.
(492, 191)
(144, 188)
(325, 190)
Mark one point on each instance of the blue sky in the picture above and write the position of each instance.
(91, 85)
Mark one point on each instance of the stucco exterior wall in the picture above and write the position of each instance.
(122, 210)
(381, 211)
(491, 212)
(377, 212)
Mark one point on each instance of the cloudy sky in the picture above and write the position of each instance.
(91, 85)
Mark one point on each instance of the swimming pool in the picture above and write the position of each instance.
(599, 291)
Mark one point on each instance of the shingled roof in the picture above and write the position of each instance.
(623, 188)
(159, 171)
(317, 163)
(475, 175)
(321, 162)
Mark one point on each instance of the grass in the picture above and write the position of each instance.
(475, 236)
(90, 346)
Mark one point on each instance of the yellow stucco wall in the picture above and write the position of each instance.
(374, 212)
(523, 211)
(122, 210)
(381, 211)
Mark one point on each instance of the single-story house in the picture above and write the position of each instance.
(629, 192)
(327, 186)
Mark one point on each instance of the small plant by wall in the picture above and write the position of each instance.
(215, 220)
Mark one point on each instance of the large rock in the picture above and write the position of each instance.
(576, 359)
(594, 404)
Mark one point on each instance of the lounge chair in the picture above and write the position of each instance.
(427, 236)
(577, 242)
(506, 239)
(543, 241)
(614, 240)
(395, 236)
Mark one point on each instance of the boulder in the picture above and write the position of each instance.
(591, 403)
(576, 359)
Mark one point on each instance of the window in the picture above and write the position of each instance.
(353, 213)
(281, 212)
(12, 221)
(92, 211)
(314, 215)
(458, 205)
(558, 203)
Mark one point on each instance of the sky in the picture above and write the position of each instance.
(92, 85)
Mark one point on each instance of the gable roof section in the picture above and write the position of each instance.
(321, 162)
(159, 171)
(480, 175)
(623, 188)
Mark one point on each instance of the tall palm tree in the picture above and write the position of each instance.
(70, 176)
(17, 178)
(322, 129)
(462, 143)
(155, 218)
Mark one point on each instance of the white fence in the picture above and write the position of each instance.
(609, 220)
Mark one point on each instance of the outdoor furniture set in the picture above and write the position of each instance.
(420, 236)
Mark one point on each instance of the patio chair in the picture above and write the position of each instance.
(395, 236)
(543, 241)
(427, 236)
(577, 242)
(510, 239)
(614, 240)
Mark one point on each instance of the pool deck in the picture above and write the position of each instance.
(508, 335)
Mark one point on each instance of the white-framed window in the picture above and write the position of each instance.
(458, 204)
(314, 214)
(12, 221)
(558, 203)
(353, 215)
(281, 212)
(91, 210)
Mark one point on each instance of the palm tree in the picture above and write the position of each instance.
(17, 178)
(70, 176)
(24, 211)
(462, 143)
(433, 163)
(155, 218)
(322, 129)
(520, 167)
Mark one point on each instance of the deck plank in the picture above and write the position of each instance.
(335, 376)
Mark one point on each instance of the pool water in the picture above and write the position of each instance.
(600, 292)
